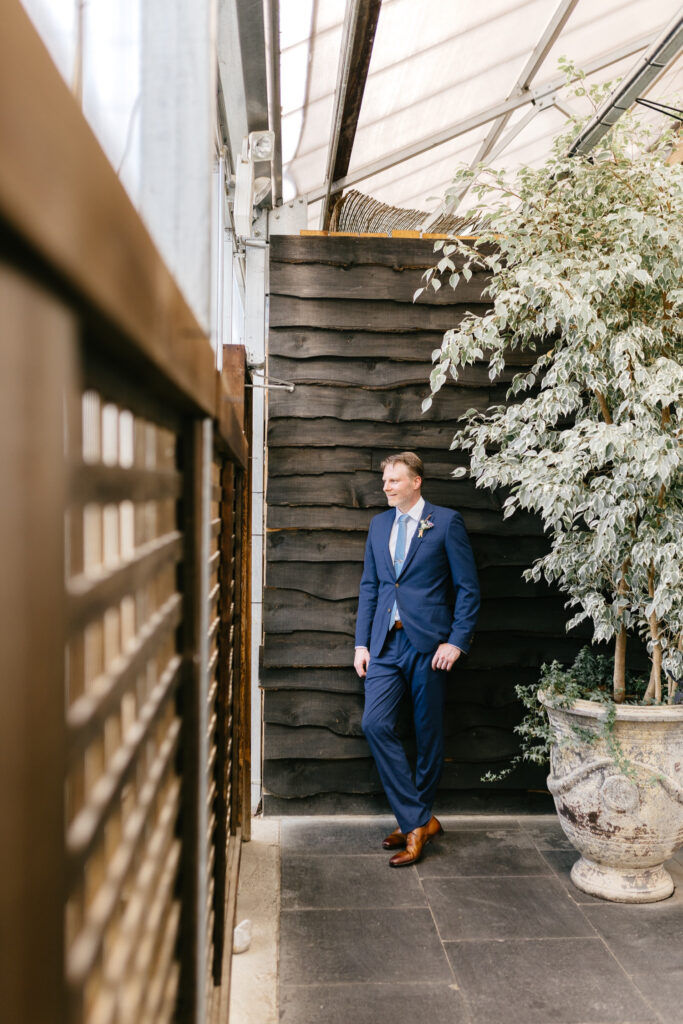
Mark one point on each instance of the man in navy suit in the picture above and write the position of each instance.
(419, 599)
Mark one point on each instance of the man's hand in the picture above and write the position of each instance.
(362, 660)
(445, 657)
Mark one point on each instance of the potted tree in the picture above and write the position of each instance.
(585, 257)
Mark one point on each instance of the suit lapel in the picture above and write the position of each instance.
(416, 542)
(385, 534)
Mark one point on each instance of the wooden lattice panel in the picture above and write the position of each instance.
(221, 589)
(212, 799)
(228, 645)
(122, 670)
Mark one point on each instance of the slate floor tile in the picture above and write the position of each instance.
(526, 948)
(531, 821)
(477, 822)
(504, 908)
(663, 988)
(494, 851)
(562, 861)
(327, 946)
(371, 1004)
(675, 869)
(548, 835)
(344, 881)
(343, 835)
(643, 937)
(545, 981)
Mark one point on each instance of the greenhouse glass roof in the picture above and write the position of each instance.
(449, 83)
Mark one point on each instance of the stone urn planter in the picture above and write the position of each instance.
(625, 819)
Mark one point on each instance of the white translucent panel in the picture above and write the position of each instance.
(596, 27)
(55, 21)
(418, 183)
(450, 60)
(534, 143)
(671, 81)
(111, 82)
(308, 81)
(313, 214)
(295, 24)
(436, 63)
(329, 14)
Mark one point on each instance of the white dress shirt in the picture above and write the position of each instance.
(415, 514)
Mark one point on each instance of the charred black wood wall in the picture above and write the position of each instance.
(344, 329)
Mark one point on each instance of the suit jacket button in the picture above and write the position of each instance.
(396, 584)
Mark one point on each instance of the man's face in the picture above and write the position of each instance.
(400, 486)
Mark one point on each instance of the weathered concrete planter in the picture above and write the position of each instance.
(624, 828)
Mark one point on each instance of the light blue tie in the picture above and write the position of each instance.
(399, 557)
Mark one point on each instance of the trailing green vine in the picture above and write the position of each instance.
(588, 678)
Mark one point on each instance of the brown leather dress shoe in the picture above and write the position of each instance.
(395, 841)
(416, 842)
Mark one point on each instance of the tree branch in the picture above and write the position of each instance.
(619, 679)
(603, 406)
(654, 687)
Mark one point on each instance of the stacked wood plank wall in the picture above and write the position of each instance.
(344, 329)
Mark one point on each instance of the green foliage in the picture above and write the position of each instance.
(585, 258)
(588, 678)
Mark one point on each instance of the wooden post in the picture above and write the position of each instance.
(36, 380)
(225, 705)
(243, 680)
(193, 712)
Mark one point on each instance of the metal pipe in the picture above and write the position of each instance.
(271, 25)
(664, 49)
(343, 75)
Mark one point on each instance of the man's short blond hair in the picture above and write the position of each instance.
(412, 461)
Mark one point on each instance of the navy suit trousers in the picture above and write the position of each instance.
(400, 669)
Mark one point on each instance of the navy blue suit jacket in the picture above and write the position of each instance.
(437, 592)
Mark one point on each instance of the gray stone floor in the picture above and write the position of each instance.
(487, 929)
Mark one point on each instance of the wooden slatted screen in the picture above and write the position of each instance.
(128, 537)
(222, 712)
(124, 604)
(123, 667)
(215, 862)
(344, 329)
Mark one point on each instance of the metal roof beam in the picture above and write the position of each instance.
(476, 120)
(529, 72)
(249, 82)
(231, 78)
(271, 18)
(253, 48)
(663, 51)
(360, 23)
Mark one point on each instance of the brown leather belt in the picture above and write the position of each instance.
(398, 624)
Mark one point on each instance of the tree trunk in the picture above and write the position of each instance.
(654, 688)
(619, 680)
(675, 684)
(619, 689)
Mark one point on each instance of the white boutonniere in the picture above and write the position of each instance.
(425, 524)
